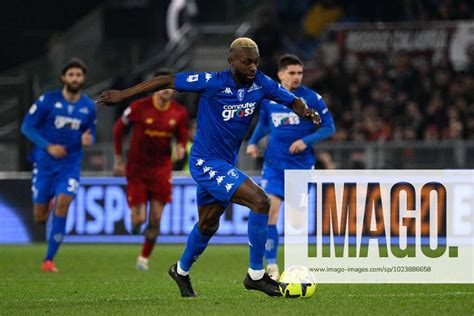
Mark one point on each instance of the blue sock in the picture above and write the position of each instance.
(257, 231)
(56, 236)
(271, 247)
(195, 246)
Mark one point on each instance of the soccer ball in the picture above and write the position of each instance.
(297, 281)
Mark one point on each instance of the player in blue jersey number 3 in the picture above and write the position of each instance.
(59, 123)
(228, 101)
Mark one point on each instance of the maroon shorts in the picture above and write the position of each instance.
(155, 185)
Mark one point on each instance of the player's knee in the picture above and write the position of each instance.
(152, 231)
(137, 220)
(261, 204)
(208, 228)
(40, 218)
(62, 207)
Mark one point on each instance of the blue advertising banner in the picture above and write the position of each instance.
(100, 213)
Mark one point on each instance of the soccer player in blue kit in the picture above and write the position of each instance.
(290, 145)
(59, 123)
(228, 101)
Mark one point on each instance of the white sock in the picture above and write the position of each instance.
(272, 265)
(256, 274)
(181, 271)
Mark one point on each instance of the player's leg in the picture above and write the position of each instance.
(138, 214)
(199, 237)
(251, 195)
(137, 199)
(197, 242)
(41, 212)
(151, 233)
(41, 188)
(273, 184)
(271, 247)
(66, 183)
(58, 230)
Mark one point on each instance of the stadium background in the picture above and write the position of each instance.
(398, 78)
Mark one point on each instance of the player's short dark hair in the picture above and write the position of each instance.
(163, 72)
(74, 62)
(287, 60)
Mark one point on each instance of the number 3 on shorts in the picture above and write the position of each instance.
(73, 185)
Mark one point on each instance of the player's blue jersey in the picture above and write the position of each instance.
(226, 109)
(286, 127)
(56, 121)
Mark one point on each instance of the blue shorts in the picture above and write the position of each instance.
(273, 181)
(217, 180)
(49, 181)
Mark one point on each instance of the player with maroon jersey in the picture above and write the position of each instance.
(155, 121)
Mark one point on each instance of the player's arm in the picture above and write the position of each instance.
(280, 95)
(326, 128)
(119, 130)
(299, 107)
(36, 114)
(88, 137)
(114, 97)
(262, 129)
(182, 135)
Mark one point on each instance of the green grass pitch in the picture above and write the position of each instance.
(101, 279)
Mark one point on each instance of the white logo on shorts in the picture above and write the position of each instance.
(229, 186)
(219, 179)
(200, 162)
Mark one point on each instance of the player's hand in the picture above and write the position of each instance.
(312, 115)
(119, 168)
(57, 151)
(297, 147)
(180, 151)
(252, 151)
(86, 138)
(110, 98)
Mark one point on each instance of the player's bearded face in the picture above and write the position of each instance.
(73, 79)
(245, 62)
(291, 76)
(165, 95)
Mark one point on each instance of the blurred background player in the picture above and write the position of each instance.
(227, 104)
(59, 123)
(290, 145)
(155, 120)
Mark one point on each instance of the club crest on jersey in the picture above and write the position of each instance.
(70, 108)
(172, 122)
(233, 173)
(58, 105)
(149, 120)
(240, 94)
